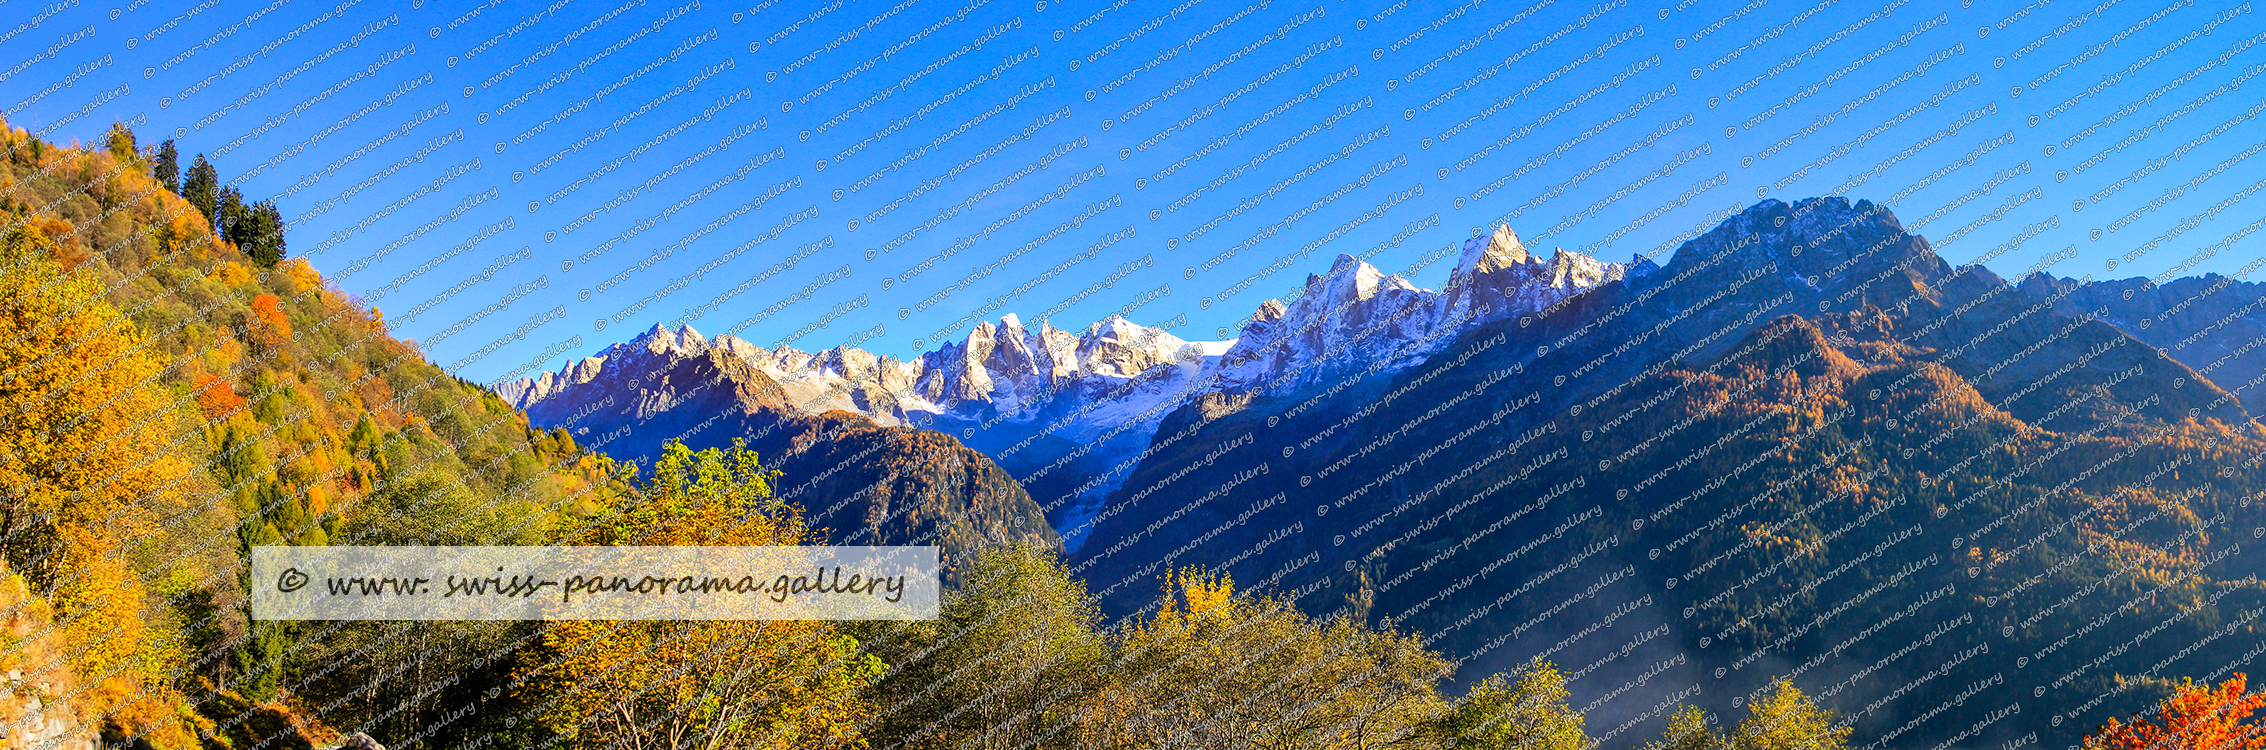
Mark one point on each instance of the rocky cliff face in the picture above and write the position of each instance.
(37, 692)
(1497, 274)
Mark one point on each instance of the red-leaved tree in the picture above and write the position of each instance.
(2195, 717)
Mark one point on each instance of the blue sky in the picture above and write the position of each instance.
(500, 178)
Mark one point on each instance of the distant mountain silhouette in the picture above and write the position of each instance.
(2212, 323)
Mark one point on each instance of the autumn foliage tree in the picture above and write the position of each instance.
(86, 472)
(269, 327)
(1009, 662)
(2195, 717)
(1786, 719)
(1688, 730)
(700, 684)
(1217, 668)
(127, 318)
(1528, 711)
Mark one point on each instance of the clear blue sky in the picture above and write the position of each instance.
(647, 128)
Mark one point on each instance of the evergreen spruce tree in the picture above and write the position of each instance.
(167, 167)
(202, 189)
(263, 234)
(228, 215)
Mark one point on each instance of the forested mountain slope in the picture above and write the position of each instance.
(1803, 444)
(255, 403)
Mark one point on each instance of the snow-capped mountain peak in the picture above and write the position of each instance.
(662, 342)
(1496, 277)
(1122, 348)
(1501, 250)
(1352, 317)
(1034, 398)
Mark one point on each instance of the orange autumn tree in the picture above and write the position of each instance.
(2195, 717)
(215, 398)
(701, 684)
(86, 471)
(269, 328)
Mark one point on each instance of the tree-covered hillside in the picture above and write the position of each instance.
(172, 394)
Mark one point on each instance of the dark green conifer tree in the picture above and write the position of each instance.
(167, 167)
(202, 189)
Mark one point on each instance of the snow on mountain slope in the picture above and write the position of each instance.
(1049, 403)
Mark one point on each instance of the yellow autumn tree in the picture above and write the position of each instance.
(1528, 710)
(1786, 719)
(86, 468)
(1218, 668)
(642, 685)
(1011, 660)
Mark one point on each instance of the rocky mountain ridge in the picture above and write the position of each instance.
(863, 482)
(1009, 368)
(1064, 411)
(2214, 324)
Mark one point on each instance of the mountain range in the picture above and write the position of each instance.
(1068, 413)
(1805, 446)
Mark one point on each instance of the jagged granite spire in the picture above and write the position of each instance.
(1496, 277)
